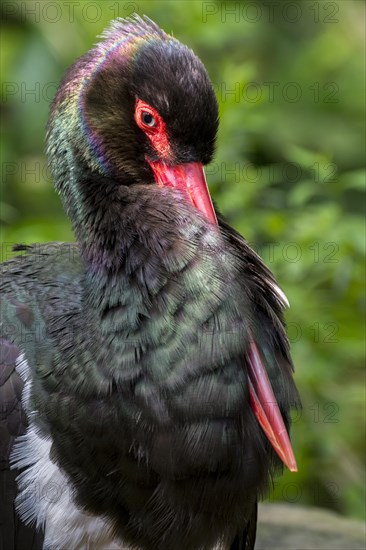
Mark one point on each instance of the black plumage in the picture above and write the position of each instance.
(137, 338)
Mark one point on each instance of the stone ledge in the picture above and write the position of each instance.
(286, 527)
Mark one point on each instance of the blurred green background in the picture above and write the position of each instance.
(289, 175)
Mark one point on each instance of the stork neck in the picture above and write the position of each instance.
(112, 229)
(96, 205)
(131, 238)
(114, 288)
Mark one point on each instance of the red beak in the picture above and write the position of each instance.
(190, 179)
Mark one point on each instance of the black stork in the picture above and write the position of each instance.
(146, 381)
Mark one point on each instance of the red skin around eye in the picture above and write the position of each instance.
(157, 134)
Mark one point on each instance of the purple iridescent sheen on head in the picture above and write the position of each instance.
(119, 45)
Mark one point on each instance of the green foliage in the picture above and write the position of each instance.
(288, 175)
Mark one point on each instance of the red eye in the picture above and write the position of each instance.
(148, 119)
(151, 123)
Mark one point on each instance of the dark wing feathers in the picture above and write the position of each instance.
(246, 540)
(268, 325)
(15, 535)
(13, 421)
(37, 266)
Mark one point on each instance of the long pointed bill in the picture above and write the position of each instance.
(266, 409)
(190, 179)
